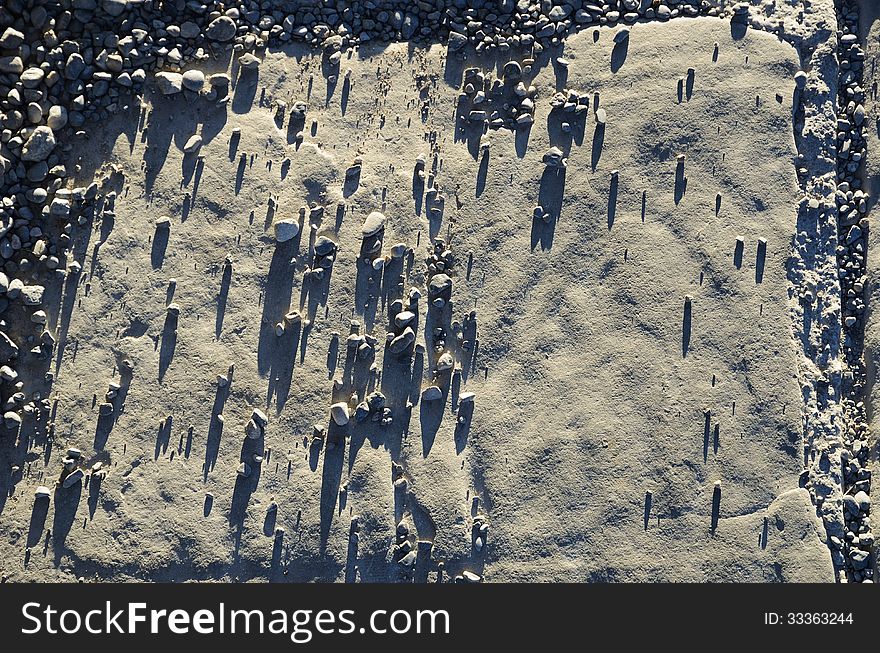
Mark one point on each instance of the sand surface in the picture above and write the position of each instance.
(603, 415)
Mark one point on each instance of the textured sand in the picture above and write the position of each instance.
(585, 400)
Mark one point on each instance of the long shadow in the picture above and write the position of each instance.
(245, 485)
(680, 181)
(686, 328)
(160, 244)
(430, 417)
(275, 568)
(618, 54)
(66, 505)
(707, 428)
(352, 181)
(598, 143)
(95, 481)
(612, 201)
(550, 196)
(163, 437)
(334, 460)
(169, 343)
(239, 173)
(760, 259)
(296, 124)
(521, 139)
(463, 425)
(346, 90)
(418, 189)
(103, 427)
(482, 172)
(38, 520)
(234, 141)
(276, 299)
(222, 297)
(351, 558)
(368, 284)
(212, 442)
(283, 363)
(245, 90)
(738, 254)
(159, 135)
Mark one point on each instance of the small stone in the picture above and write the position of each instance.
(324, 246)
(286, 229)
(221, 29)
(373, 225)
(438, 285)
(39, 145)
(432, 393)
(248, 62)
(32, 295)
(402, 342)
(339, 413)
(73, 478)
(445, 362)
(404, 318)
(193, 144)
(169, 83)
(194, 80)
(456, 41)
(863, 501)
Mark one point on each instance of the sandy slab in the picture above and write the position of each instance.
(585, 399)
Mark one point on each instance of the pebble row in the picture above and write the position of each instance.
(853, 552)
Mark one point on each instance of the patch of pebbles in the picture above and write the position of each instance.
(853, 550)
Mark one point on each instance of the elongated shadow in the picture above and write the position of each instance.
(66, 505)
(680, 181)
(760, 260)
(482, 172)
(521, 139)
(550, 196)
(618, 54)
(160, 244)
(276, 299)
(245, 90)
(686, 328)
(222, 297)
(38, 520)
(598, 142)
(430, 417)
(169, 343)
(612, 201)
(334, 459)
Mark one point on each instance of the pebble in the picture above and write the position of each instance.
(286, 229)
(169, 83)
(193, 80)
(432, 393)
(193, 144)
(39, 145)
(221, 29)
(339, 413)
(373, 224)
